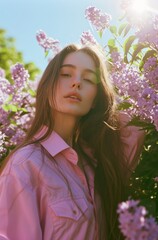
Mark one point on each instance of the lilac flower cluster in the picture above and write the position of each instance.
(5, 89)
(46, 42)
(16, 108)
(87, 38)
(2, 142)
(97, 18)
(19, 75)
(139, 90)
(134, 223)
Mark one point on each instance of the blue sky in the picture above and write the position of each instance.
(61, 19)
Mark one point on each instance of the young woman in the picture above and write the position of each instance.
(66, 179)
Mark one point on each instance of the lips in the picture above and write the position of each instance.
(74, 95)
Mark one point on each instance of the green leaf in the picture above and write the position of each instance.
(125, 59)
(137, 122)
(32, 92)
(10, 107)
(111, 45)
(46, 53)
(126, 30)
(113, 29)
(124, 105)
(24, 110)
(100, 33)
(121, 28)
(111, 42)
(139, 47)
(127, 44)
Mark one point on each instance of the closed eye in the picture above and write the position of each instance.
(89, 80)
(65, 75)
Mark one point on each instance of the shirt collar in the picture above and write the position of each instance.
(55, 144)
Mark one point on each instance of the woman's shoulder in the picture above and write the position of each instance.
(26, 153)
(24, 160)
(132, 138)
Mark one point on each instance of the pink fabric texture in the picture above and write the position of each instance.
(35, 200)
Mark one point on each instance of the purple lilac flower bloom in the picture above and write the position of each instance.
(87, 38)
(5, 86)
(126, 78)
(147, 35)
(46, 42)
(19, 75)
(97, 18)
(17, 137)
(3, 117)
(2, 143)
(2, 138)
(138, 90)
(151, 71)
(134, 223)
(19, 98)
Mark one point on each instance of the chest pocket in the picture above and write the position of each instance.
(70, 208)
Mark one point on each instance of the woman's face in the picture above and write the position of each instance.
(76, 85)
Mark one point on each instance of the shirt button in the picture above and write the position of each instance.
(74, 212)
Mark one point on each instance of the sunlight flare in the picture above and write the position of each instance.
(140, 6)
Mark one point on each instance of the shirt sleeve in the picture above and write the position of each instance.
(19, 218)
(133, 139)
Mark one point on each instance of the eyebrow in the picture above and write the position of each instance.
(74, 67)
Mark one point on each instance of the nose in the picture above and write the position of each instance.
(76, 83)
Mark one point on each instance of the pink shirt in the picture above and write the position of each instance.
(35, 200)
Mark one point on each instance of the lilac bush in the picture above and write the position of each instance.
(16, 108)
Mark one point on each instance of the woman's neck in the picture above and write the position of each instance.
(65, 125)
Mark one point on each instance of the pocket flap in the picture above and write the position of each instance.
(70, 208)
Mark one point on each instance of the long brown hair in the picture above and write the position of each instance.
(99, 129)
